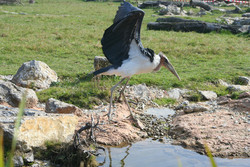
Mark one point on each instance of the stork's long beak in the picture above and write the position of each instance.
(169, 66)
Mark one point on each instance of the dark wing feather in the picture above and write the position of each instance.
(124, 10)
(117, 38)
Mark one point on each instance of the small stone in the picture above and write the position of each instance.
(100, 62)
(243, 80)
(29, 157)
(104, 110)
(161, 140)
(222, 83)
(194, 108)
(56, 106)
(214, 127)
(246, 15)
(139, 124)
(18, 161)
(208, 95)
(174, 93)
(234, 88)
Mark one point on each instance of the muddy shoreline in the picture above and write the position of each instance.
(223, 126)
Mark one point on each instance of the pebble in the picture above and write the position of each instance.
(214, 127)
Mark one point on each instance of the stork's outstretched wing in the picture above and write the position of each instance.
(117, 38)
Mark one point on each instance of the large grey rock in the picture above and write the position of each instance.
(208, 95)
(34, 74)
(36, 128)
(56, 106)
(8, 116)
(12, 94)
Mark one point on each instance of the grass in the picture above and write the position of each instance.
(66, 34)
(165, 101)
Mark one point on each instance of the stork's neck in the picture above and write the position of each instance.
(160, 61)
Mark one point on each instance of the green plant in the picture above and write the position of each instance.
(1, 148)
(16, 131)
(209, 154)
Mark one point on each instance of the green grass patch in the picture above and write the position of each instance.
(164, 101)
(66, 35)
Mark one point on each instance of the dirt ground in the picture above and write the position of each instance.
(122, 130)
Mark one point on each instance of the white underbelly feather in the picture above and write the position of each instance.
(137, 63)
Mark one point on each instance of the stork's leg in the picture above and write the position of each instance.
(125, 99)
(122, 91)
(111, 97)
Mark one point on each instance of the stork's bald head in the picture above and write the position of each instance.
(166, 63)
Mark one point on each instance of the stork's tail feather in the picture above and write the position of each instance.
(102, 70)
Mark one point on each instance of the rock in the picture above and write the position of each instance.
(139, 124)
(36, 131)
(174, 93)
(234, 88)
(18, 161)
(246, 15)
(36, 127)
(12, 94)
(223, 100)
(165, 3)
(222, 83)
(31, 1)
(241, 105)
(182, 105)
(217, 129)
(194, 108)
(237, 9)
(6, 77)
(208, 95)
(56, 106)
(190, 12)
(241, 21)
(202, 5)
(170, 9)
(242, 80)
(100, 62)
(244, 95)
(35, 74)
(245, 29)
(28, 157)
(201, 12)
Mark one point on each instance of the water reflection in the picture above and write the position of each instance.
(150, 153)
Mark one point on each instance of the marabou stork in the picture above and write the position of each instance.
(122, 47)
